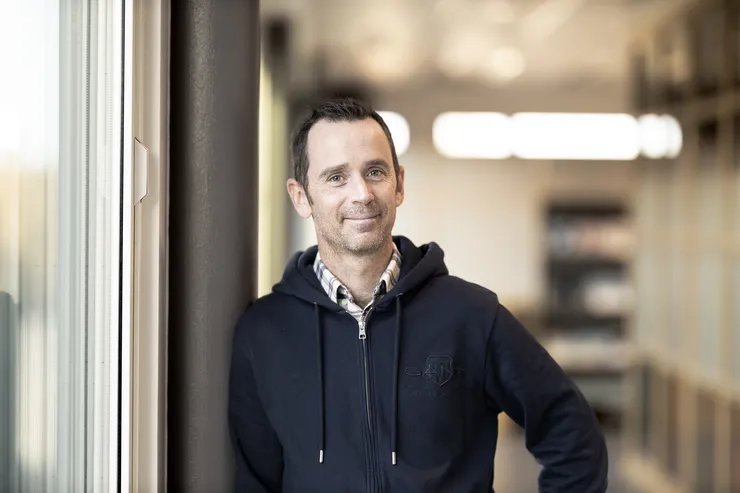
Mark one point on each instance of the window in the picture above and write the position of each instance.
(706, 434)
(735, 267)
(710, 260)
(61, 170)
(735, 448)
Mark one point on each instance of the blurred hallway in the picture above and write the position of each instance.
(516, 469)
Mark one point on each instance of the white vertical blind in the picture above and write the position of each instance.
(60, 221)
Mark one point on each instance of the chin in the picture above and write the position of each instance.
(365, 243)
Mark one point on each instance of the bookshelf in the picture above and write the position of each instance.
(589, 250)
(683, 425)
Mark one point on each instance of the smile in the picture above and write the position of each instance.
(362, 218)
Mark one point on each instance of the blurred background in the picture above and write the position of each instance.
(581, 158)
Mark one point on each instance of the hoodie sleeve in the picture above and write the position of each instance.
(257, 450)
(560, 428)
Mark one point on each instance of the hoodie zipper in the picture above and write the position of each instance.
(374, 485)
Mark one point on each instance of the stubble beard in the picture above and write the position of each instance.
(342, 244)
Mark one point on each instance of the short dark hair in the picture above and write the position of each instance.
(333, 110)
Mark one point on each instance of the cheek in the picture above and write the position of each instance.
(327, 207)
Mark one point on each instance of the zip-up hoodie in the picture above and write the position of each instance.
(411, 408)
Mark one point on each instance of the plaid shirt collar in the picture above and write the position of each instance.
(339, 293)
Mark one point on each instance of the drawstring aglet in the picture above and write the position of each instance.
(321, 456)
(393, 458)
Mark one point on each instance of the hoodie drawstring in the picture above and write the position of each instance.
(322, 403)
(320, 348)
(396, 359)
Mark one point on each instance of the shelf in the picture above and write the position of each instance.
(583, 356)
(586, 262)
(582, 318)
(589, 249)
(604, 390)
(590, 209)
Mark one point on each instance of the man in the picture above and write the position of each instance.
(369, 368)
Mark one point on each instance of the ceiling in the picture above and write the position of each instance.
(399, 42)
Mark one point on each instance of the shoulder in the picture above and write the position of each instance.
(465, 292)
(467, 299)
(261, 314)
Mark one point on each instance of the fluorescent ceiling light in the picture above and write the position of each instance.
(591, 136)
(399, 129)
(556, 136)
(472, 135)
(661, 136)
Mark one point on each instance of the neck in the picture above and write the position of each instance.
(359, 273)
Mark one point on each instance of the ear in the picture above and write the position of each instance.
(399, 185)
(299, 198)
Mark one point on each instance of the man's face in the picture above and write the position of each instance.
(352, 186)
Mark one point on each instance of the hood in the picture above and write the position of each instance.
(419, 265)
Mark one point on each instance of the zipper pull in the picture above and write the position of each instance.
(363, 334)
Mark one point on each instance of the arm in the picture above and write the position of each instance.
(257, 450)
(561, 430)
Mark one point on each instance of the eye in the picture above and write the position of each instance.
(334, 178)
(376, 172)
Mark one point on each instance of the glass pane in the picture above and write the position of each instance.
(709, 47)
(735, 449)
(647, 270)
(643, 290)
(677, 258)
(710, 312)
(736, 320)
(710, 261)
(736, 260)
(60, 204)
(657, 447)
(710, 181)
(639, 82)
(660, 294)
(705, 443)
(672, 430)
(736, 178)
(680, 61)
(662, 73)
(646, 398)
(676, 290)
(736, 35)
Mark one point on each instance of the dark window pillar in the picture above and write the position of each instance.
(214, 81)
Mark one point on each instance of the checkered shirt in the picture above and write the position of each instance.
(339, 293)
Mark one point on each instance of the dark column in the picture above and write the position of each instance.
(213, 227)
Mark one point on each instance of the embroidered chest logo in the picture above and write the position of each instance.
(438, 369)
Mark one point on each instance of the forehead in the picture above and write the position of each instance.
(334, 143)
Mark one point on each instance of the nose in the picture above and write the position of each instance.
(361, 191)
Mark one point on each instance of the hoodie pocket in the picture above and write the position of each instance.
(432, 423)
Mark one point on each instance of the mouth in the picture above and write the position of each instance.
(363, 218)
(359, 219)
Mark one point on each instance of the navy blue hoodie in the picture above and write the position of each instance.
(413, 407)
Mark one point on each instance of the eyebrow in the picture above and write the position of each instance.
(378, 162)
(342, 167)
(333, 169)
